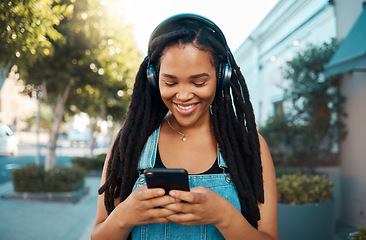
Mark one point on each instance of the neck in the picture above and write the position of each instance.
(179, 129)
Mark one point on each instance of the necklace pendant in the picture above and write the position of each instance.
(184, 138)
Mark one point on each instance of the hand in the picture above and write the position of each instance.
(197, 207)
(144, 206)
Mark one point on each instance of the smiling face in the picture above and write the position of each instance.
(187, 83)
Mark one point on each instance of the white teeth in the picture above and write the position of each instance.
(186, 107)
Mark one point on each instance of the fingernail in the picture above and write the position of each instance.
(172, 193)
(160, 192)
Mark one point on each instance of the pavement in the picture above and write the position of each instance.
(23, 219)
(40, 220)
(36, 220)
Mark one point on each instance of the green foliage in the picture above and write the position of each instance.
(280, 137)
(33, 178)
(112, 62)
(96, 57)
(91, 68)
(359, 235)
(302, 188)
(26, 28)
(89, 164)
(45, 120)
(311, 125)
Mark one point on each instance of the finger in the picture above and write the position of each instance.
(183, 219)
(181, 207)
(157, 215)
(143, 193)
(161, 201)
(160, 213)
(185, 196)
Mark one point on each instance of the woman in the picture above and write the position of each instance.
(210, 131)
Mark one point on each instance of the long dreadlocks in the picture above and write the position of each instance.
(233, 117)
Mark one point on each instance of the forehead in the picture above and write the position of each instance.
(185, 54)
(191, 22)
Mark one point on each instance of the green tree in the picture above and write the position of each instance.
(90, 69)
(27, 28)
(108, 97)
(311, 126)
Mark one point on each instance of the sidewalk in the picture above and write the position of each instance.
(21, 220)
(35, 220)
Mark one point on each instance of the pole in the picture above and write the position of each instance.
(38, 156)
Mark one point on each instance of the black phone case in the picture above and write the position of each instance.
(167, 178)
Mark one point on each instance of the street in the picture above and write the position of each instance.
(22, 219)
(28, 153)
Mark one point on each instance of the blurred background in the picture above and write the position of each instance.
(67, 70)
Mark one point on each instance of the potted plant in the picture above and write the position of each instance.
(61, 184)
(305, 206)
(358, 235)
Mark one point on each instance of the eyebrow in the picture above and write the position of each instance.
(193, 76)
(199, 75)
(168, 75)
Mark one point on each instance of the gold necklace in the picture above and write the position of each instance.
(184, 136)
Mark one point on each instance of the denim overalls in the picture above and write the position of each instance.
(220, 183)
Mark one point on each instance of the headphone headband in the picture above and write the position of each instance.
(168, 25)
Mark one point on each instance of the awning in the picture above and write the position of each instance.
(352, 51)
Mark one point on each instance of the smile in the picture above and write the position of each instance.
(186, 107)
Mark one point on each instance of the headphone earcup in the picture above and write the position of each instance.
(151, 77)
(227, 75)
(223, 76)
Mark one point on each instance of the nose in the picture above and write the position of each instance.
(184, 94)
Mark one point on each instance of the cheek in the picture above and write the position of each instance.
(166, 93)
(209, 93)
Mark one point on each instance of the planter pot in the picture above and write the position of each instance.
(306, 221)
(70, 197)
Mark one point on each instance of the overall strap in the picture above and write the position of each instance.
(220, 159)
(148, 155)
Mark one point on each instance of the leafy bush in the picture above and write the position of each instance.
(302, 188)
(33, 178)
(359, 235)
(311, 126)
(89, 164)
(283, 139)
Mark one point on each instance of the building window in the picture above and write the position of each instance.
(278, 107)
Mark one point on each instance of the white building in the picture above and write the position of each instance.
(289, 27)
(349, 62)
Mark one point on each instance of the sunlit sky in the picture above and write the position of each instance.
(236, 18)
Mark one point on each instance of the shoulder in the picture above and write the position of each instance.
(266, 158)
(263, 147)
(268, 210)
(262, 141)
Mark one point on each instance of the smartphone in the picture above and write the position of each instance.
(167, 178)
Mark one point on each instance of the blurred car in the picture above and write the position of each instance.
(8, 142)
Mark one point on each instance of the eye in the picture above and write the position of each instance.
(169, 84)
(199, 84)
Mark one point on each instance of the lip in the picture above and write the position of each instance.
(185, 109)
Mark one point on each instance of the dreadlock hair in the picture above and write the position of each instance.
(233, 118)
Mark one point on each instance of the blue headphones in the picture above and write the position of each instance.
(224, 70)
